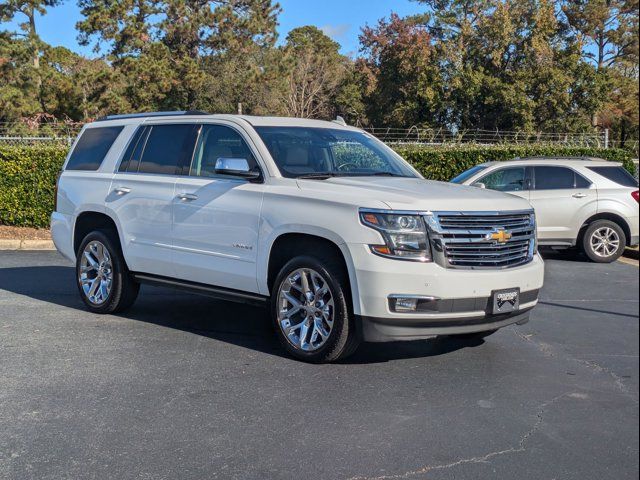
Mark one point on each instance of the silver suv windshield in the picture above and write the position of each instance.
(305, 152)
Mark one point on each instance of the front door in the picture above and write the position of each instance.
(216, 217)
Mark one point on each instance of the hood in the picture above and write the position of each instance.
(414, 194)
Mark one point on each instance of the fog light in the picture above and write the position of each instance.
(406, 304)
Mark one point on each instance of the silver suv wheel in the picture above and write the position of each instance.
(605, 242)
(96, 272)
(305, 309)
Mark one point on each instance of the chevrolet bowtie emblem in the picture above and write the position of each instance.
(500, 236)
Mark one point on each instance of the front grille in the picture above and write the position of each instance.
(463, 240)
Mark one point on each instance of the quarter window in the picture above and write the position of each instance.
(554, 178)
(506, 179)
(616, 174)
(166, 149)
(92, 147)
(215, 142)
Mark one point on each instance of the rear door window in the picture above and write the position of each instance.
(618, 175)
(167, 148)
(92, 147)
(554, 178)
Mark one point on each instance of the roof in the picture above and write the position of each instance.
(567, 161)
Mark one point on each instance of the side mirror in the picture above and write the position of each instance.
(237, 167)
(479, 185)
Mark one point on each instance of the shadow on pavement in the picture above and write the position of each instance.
(239, 324)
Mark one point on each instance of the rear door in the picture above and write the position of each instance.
(142, 192)
(563, 199)
(217, 217)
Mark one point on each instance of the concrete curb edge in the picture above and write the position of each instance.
(18, 244)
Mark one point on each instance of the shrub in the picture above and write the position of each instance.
(28, 173)
(27, 183)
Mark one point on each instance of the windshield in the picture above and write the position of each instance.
(468, 174)
(325, 152)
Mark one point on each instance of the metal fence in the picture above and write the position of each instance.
(65, 133)
(24, 134)
(427, 136)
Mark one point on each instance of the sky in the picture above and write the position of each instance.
(339, 19)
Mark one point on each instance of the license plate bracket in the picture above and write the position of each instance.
(506, 301)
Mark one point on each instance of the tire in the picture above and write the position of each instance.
(311, 337)
(604, 241)
(476, 335)
(116, 290)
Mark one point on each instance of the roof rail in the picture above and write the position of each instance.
(150, 114)
(554, 157)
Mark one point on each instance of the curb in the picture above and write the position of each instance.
(17, 244)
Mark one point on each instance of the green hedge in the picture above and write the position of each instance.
(27, 183)
(28, 173)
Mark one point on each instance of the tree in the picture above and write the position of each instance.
(403, 77)
(9, 9)
(610, 26)
(313, 70)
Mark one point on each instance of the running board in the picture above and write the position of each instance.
(219, 293)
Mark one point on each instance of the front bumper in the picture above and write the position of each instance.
(463, 296)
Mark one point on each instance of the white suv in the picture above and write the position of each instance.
(334, 231)
(589, 203)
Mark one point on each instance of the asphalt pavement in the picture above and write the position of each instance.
(185, 387)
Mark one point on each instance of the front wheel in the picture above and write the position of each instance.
(604, 241)
(310, 310)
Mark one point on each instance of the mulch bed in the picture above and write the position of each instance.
(24, 233)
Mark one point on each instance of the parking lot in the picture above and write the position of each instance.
(185, 387)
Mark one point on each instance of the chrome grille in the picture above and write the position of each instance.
(463, 240)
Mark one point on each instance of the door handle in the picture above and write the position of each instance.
(122, 190)
(579, 195)
(187, 196)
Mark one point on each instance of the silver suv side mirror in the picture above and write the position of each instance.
(237, 167)
(479, 185)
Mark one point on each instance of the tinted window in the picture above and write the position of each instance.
(505, 179)
(92, 148)
(581, 182)
(468, 174)
(616, 174)
(131, 157)
(166, 148)
(216, 142)
(554, 178)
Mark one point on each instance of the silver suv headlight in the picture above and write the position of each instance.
(405, 235)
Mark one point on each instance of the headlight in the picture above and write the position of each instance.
(405, 235)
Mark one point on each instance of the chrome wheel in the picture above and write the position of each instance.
(96, 272)
(305, 309)
(605, 242)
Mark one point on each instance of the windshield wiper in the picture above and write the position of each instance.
(385, 174)
(317, 176)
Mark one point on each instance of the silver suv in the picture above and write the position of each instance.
(585, 202)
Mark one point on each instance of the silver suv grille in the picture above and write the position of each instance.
(482, 239)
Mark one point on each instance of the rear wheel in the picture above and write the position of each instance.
(103, 279)
(604, 241)
(310, 310)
